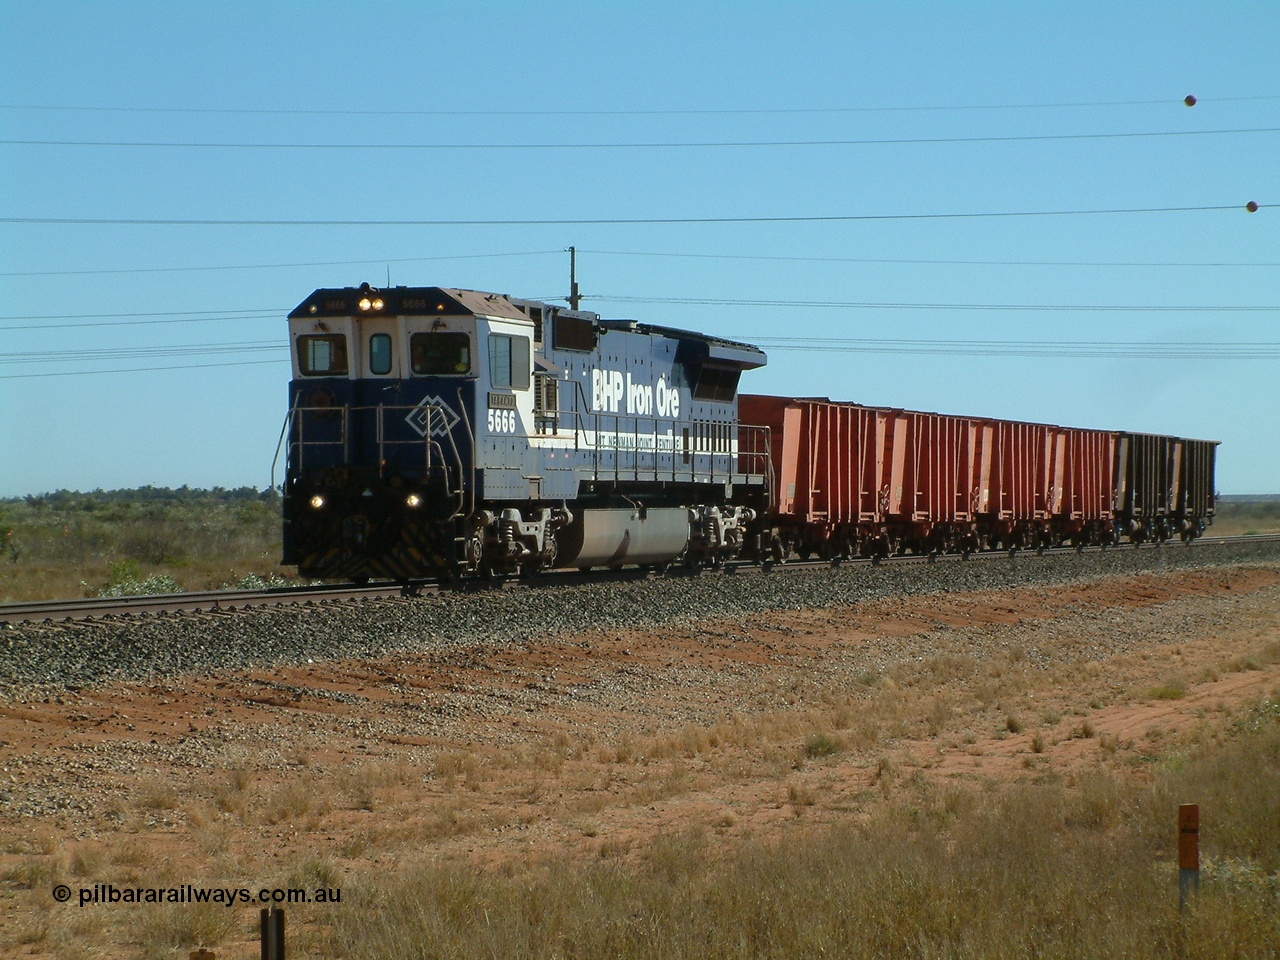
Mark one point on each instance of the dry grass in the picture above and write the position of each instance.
(71, 544)
(298, 801)
(940, 871)
(1246, 519)
(1174, 689)
(492, 843)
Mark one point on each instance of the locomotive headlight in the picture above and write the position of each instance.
(413, 501)
(364, 304)
(316, 502)
(378, 304)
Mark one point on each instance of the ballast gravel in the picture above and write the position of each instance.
(72, 654)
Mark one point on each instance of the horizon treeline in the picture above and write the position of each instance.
(147, 494)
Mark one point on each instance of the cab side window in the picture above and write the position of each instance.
(509, 361)
(323, 356)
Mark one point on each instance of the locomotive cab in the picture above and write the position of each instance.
(380, 431)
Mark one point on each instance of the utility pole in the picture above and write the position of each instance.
(573, 279)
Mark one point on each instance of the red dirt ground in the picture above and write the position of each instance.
(592, 744)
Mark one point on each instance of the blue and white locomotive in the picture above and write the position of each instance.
(435, 431)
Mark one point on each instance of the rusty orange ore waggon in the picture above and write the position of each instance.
(851, 480)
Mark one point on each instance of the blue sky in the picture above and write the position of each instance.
(532, 112)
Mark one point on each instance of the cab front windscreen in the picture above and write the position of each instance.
(440, 354)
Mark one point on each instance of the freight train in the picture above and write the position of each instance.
(445, 432)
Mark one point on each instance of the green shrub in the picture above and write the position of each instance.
(126, 581)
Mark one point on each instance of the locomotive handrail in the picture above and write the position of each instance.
(298, 445)
(471, 435)
(284, 430)
(427, 445)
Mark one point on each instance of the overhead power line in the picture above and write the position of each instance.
(635, 145)
(148, 313)
(163, 317)
(709, 111)
(98, 354)
(885, 305)
(615, 221)
(1026, 348)
(997, 348)
(1181, 265)
(926, 262)
(175, 317)
(276, 266)
(142, 323)
(185, 366)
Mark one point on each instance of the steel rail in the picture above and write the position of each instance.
(217, 601)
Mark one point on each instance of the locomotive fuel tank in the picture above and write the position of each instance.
(612, 537)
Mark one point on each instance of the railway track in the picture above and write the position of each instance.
(91, 608)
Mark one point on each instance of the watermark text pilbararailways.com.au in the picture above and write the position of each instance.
(109, 893)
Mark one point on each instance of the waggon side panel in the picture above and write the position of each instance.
(1198, 482)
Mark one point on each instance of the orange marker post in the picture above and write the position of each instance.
(1188, 852)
